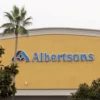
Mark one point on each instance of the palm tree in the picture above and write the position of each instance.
(16, 25)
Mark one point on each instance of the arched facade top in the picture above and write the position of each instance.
(50, 31)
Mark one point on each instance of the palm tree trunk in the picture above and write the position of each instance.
(16, 46)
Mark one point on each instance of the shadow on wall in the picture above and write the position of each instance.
(38, 98)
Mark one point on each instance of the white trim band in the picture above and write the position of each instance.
(44, 92)
(69, 31)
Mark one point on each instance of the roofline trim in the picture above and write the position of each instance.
(54, 31)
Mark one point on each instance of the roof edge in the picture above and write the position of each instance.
(58, 30)
(68, 28)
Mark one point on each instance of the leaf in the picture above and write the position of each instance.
(15, 11)
(7, 25)
(8, 31)
(17, 23)
(9, 16)
(23, 13)
(27, 23)
(1, 51)
(5, 84)
(22, 30)
(14, 69)
(28, 19)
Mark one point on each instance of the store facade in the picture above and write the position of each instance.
(53, 61)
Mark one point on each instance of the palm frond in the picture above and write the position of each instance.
(23, 13)
(7, 25)
(15, 11)
(27, 23)
(17, 23)
(22, 30)
(9, 16)
(22, 9)
(28, 19)
(8, 31)
(18, 19)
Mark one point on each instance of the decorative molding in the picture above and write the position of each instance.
(44, 92)
(51, 31)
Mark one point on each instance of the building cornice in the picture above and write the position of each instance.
(53, 31)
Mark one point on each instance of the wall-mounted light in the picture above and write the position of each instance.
(26, 83)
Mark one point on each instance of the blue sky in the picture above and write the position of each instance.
(57, 13)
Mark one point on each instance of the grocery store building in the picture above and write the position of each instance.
(53, 61)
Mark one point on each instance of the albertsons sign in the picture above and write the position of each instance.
(46, 57)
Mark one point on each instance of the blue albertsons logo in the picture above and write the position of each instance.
(45, 57)
(21, 56)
